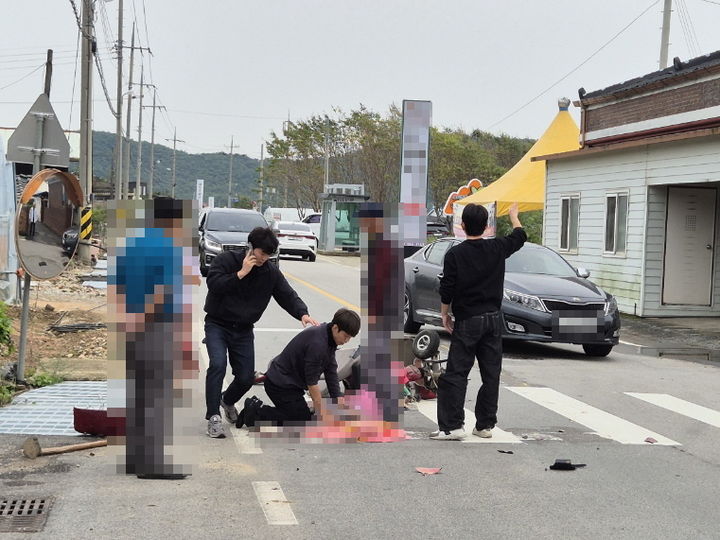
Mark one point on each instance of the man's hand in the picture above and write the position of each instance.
(448, 322)
(513, 213)
(249, 262)
(308, 320)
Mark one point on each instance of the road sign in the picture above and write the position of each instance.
(199, 190)
(211, 202)
(54, 149)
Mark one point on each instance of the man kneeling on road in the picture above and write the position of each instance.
(298, 368)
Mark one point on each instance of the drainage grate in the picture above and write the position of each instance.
(24, 515)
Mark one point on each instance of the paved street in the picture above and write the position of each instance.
(555, 403)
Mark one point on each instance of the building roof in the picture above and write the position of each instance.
(665, 77)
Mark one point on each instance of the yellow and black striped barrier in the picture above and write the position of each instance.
(86, 223)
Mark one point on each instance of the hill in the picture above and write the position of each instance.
(213, 168)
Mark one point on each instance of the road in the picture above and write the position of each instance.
(555, 403)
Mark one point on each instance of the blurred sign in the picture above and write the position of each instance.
(417, 117)
(199, 190)
(211, 202)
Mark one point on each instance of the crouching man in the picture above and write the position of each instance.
(298, 368)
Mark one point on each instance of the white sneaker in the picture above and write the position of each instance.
(453, 435)
(482, 433)
(215, 427)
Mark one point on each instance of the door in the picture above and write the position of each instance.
(689, 243)
(427, 282)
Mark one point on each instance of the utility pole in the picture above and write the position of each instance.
(175, 140)
(48, 72)
(118, 105)
(139, 149)
(665, 34)
(152, 143)
(262, 189)
(126, 169)
(229, 205)
(88, 49)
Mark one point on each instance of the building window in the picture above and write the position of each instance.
(616, 210)
(569, 213)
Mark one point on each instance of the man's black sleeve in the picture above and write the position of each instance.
(313, 367)
(332, 380)
(288, 299)
(222, 275)
(447, 282)
(513, 241)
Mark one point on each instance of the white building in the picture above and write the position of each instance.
(638, 204)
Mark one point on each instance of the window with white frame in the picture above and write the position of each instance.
(616, 209)
(569, 215)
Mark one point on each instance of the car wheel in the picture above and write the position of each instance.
(426, 344)
(409, 325)
(311, 257)
(597, 350)
(203, 268)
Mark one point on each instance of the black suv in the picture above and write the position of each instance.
(223, 229)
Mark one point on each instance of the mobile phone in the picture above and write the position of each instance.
(249, 248)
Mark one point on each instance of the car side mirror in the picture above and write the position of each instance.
(583, 272)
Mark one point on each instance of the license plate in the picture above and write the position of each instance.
(585, 324)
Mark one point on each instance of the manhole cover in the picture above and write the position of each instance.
(24, 515)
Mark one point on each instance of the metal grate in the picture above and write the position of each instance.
(24, 515)
(232, 247)
(557, 305)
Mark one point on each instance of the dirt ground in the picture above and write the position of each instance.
(64, 300)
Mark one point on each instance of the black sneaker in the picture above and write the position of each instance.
(250, 411)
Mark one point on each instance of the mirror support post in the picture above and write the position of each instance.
(20, 371)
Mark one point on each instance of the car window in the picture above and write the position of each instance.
(227, 221)
(313, 219)
(538, 260)
(437, 253)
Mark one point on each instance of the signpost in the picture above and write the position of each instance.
(200, 191)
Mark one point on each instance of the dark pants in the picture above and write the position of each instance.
(31, 230)
(478, 337)
(236, 345)
(290, 406)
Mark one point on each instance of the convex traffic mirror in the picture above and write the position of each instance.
(47, 224)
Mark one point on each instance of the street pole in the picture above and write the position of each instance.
(86, 95)
(118, 105)
(152, 148)
(48, 72)
(229, 205)
(665, 35)
(327, 153)
(175, 140)
(262, 162)
(126, 168)
(139, 149)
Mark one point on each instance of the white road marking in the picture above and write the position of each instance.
(429, 409)
(274, 504)
(327, 259)
(602, 423)
(294, 330)
(680, 406)
(629, 343)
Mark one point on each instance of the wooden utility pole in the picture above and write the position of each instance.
(48, 72)
(175, 140)
(152, 144)
(126, 168)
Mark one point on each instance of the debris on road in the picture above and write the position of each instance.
(425, 471)
(506, 451)
(32, 448)
(565, 465)
(650, 440)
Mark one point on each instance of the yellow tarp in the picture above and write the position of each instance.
(525, 182)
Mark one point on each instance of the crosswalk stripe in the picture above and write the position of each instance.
(603, 424)
(429, 409)
(680, 406)
(275, 506)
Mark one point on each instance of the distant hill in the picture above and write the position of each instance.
(213, 168)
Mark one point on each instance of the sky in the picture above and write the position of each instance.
(237, 69)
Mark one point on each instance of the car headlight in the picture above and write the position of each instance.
(525, 300)
(215, 246)
(611, 306)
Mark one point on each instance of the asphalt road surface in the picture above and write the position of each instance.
(555, 403)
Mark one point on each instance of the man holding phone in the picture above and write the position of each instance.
(240, 285)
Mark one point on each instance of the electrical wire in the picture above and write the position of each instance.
(72, 96)
(23, 77)
(561, 79)
(248, 117)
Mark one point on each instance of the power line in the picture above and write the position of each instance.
(72, 96)
(23, 77)
(712, 2)
(200, 113)
(561, 79)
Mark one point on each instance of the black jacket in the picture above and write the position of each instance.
(241, 302)
(308, 355)
(474, 272)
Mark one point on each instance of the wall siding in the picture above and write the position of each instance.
(635, 278)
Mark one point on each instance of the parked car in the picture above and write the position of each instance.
(223, 229)
(545, 299)
(296, 239)
(314, 220)
(70, 240)
(437, 229)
